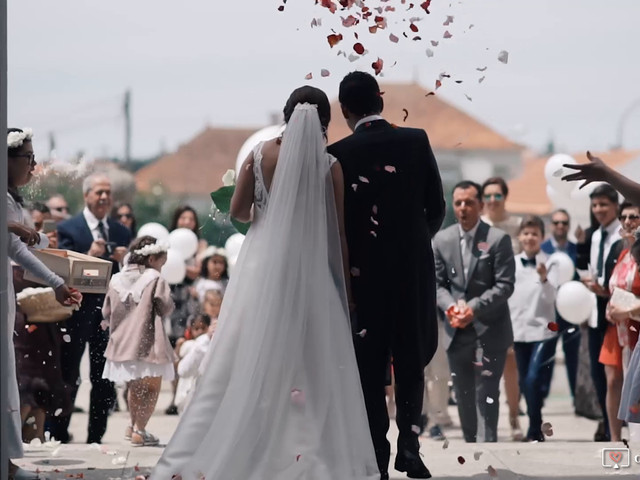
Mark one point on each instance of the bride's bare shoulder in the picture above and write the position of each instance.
(271, 150)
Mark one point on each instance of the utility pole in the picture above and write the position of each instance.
(127, 128)
(4, 238)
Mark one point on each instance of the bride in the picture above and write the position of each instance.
(279, 395)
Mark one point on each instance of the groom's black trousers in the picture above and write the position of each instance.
(373, 352)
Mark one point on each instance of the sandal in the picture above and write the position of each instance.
(128, 432)
(516, 431)
(142, 438)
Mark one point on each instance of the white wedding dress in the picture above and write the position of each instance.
(279, 395)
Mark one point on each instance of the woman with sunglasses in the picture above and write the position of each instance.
(622, 332)
(123, 212)
(494, 196)
(20, 165)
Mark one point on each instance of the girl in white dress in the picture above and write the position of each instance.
(139, 351)
(279, 395)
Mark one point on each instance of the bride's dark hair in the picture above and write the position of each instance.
(313, 96)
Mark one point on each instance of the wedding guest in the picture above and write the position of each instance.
(559, 241)
(532, 308)
(185, 304)
(475, 273)
(494, 195)
(58, 207)
(604, 251)
(630, 401)
(139, 351)
(190, 354)
(212, 304)
(621, 335)
(94, 233)
(20, 164)
(42, 218)
(214, 274)
(123, 212)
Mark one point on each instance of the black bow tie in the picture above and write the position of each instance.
(528, 262)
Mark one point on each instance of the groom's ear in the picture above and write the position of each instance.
(345, 112)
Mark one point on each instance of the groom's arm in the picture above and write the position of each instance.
(434, 202)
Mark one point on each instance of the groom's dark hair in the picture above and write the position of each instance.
(360, 94)
(313, 96)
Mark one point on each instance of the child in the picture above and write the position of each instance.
(532, 312)
(191, 353)
(139, 351)
(211, 306)
(214, 274)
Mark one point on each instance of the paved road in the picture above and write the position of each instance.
(568, 454)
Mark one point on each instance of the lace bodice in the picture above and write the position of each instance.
(261, 192)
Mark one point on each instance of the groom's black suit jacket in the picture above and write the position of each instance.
(394, 205)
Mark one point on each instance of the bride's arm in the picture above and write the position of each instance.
(242, 199)
(338, 191)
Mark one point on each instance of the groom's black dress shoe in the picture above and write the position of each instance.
(411, 463)
(384, 475)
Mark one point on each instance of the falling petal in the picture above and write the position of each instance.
(362, 333)
(390, 168)
(445, 445)
(490, 400)
(355, 272)
(461, 460)
(547, 429)
(434, 43)
(447, 34)
(503, 57)
(374, 234)
(358, 48)
(354, 186)
(553, 326)
(374, 209)
(486, 373)
(363, 179)
(468, 97)
(377, 66)
(393, 38)
(57, 412)
(308, 76)
(481, 79)
(415, 429)
(324, 72)
(334, 39)
(429, 53)
(481, 69)
(374, 221)
(492, 471)
(406, 114)
(448, 21)
(477, 455)
(66, 338)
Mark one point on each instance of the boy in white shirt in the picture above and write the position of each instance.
(533, 319)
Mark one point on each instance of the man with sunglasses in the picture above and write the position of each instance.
(559, 242)
(58, 208)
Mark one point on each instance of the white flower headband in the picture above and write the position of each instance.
(16, 139)
(152, 249)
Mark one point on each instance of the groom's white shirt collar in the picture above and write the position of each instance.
(370, 118)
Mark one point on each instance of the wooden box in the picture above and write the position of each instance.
(82, 272)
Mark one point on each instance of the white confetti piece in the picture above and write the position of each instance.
(429, 53)
(363, 179)
(477, 455)
(355, 271)
(57, 412)
(503, 57)
(354, 186)
(373, 220)
(486, 373)
(390, 169)
(66, 338)
(56, 452)
(362, 333)
(119, 461)
(490, 400)
(445, 445)
(415, 429)
(31, 420)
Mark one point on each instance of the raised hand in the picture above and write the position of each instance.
(68, 296)
(26, 234)
(593, 171)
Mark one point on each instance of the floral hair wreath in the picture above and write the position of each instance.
(16, 139)
(152, 249)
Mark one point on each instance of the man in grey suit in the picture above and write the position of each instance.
(475, 275)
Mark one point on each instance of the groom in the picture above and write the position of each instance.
(394, 205)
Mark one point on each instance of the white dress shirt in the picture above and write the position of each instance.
(532, 304)
(465, 250)
(93, 222)
(370, 118)
(613, 235)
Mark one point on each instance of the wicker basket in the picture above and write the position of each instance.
(40, 306)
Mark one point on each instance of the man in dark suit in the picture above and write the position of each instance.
(475, 270)
(393, 206)
(559, 242)
(94, 233)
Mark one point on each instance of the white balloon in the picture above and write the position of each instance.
(233, 245)
(575, 302)
(155, 230)
(558, 199)
(266, 133)
(560, 269)
(184, 241)
(174, 269)
(554, 171)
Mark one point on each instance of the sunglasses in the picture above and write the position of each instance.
(60, 209)
(629, 217)
(495, 196)
(125, 215)
(560, 222)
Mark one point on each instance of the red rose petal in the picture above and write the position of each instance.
(461, 460)
(377, 66)
(359, 48)
(413, 27)
(334, 39)
(406, 114)
(324, 72)
(553, 326)
(393, 38)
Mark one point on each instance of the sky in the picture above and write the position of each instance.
(572, 69)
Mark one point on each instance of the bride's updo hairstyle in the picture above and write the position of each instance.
(313, 96)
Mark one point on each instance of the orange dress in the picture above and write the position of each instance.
(625, 276)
